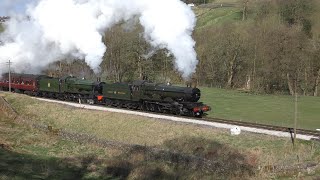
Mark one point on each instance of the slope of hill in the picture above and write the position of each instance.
(84, 144)
(208, 16)
(218, 12)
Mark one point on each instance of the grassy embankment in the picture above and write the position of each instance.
(266, 109)
(237, 156)
(27, 153)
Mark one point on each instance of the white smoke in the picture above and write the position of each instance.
(74, 28)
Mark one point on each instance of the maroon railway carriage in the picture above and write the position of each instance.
(19, 82)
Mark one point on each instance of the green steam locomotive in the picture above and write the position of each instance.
(139, 95)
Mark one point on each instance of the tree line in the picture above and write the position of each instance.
(276, 51)
(273, 47)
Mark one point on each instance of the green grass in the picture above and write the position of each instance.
(213, 14)
(137, 129)
(53, 153)
(217, 16)
(265, 109)
(27, 153)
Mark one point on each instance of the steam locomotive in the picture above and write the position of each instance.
(140, 94)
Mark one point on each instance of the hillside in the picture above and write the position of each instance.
(208, 16)
(86, 144)
(264, 47)
(250, 67)
(218, 12)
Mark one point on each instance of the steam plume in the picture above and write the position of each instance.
(58, 29)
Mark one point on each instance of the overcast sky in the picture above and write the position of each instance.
(8, 7)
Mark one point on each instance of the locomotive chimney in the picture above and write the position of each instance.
(188, 83)
(194, 82)
(98, 79)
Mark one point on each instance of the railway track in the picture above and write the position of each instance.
(265, 126)
(168, 155)
(315, 134)
(290, 130)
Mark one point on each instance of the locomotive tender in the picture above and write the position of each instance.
(139, 94)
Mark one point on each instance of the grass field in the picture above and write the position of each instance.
(218, 12)
(266, 109)
(217, 16)
(250, 149)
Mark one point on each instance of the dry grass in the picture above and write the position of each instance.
(27, 153)
(30, 154)
(260, 150)
(107, 125)
(27, 140)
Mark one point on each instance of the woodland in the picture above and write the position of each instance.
(259, 46)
